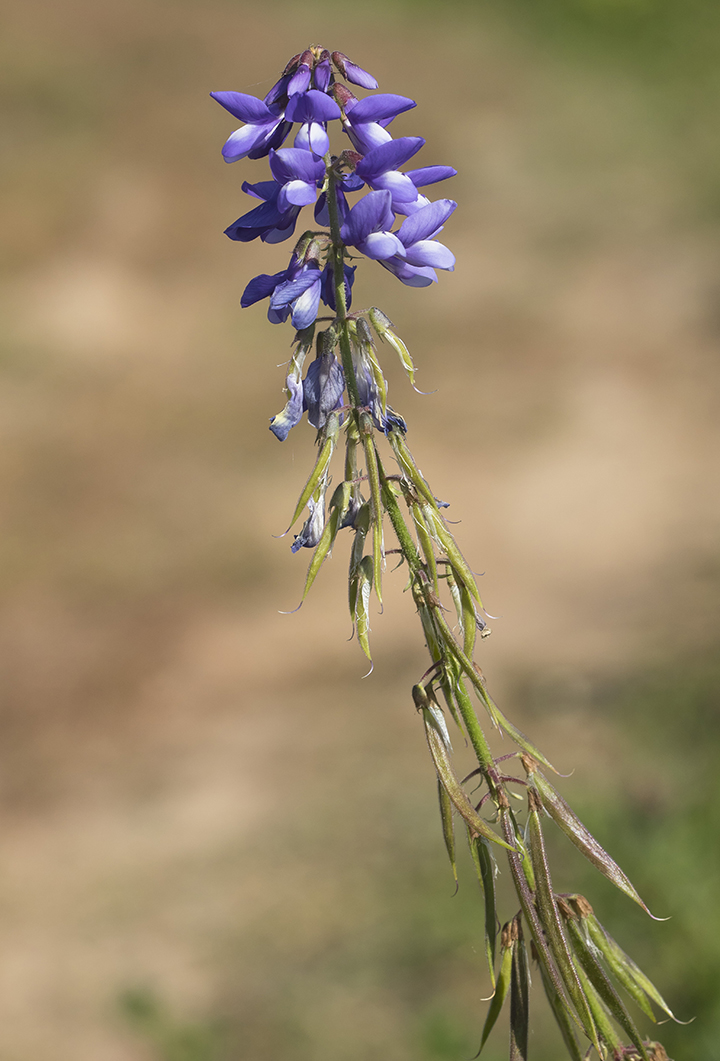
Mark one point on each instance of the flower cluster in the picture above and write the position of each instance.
(308, 94)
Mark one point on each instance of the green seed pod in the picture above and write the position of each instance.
(550, 920)
(519, 1000)
(562, 1017)
(375, 500)
(425, 544)
(327, 539)
(448, 828)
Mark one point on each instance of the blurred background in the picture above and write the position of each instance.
(216, 840)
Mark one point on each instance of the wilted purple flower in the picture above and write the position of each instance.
(282, 424)
(314, 525)
(327, 281)
(368, 227)
(323, 388)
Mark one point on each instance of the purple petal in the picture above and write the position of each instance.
(242, 141)
(292, 163)
(430, 175)
(260, 287)
(373, 213)
(246, 108)
(323, 387)
(365, 138)
(286, 293)
(300, 80)
(312, 137)
(273, 138)
(305, 308)
(379, 245)
(282, 231)
(430, 252)
(312, 106)
(374, 108)
(297, 193)
(399, 185)
(411, 275)
(357, 76)
(322, 75)
(390, 155)
(426, 222)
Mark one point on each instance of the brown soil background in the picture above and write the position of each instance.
(199, 795)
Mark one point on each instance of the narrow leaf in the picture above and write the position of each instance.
(448, 828)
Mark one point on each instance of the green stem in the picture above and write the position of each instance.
(338, 262)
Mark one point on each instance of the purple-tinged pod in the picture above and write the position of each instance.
(527, 904)
(508, 938)
(448, 827)
(373, 475)
(519, 1000)
(550, 919)
(564, 1021)
(607, 1034)
(568, 821)
(485, 868)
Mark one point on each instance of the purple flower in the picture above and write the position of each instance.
(297, 297)
(313, 109)
(368, 227)
(422, 254)
(266, 126)
(297, 172)
(267, 221)
(365, 119)
(327, 281)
